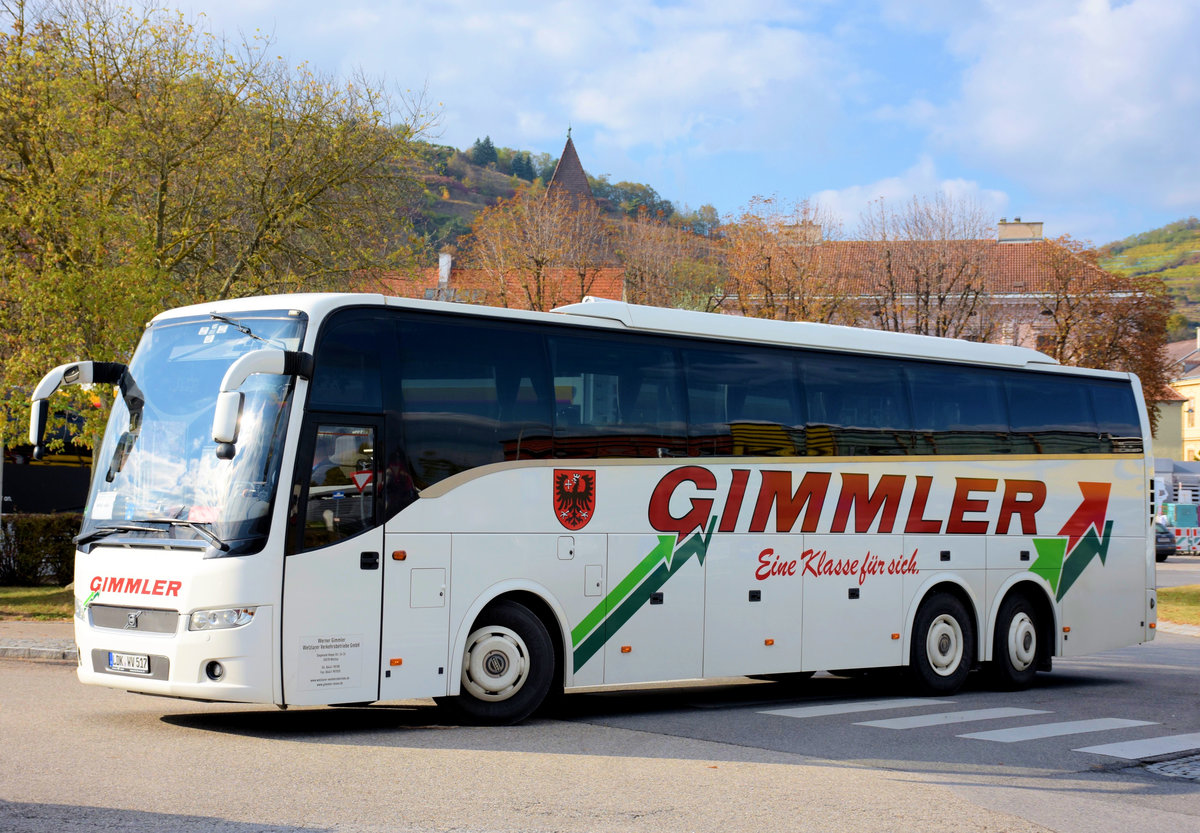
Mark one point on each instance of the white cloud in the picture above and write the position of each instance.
(1077, 98)
(706, 73)
(922, 179)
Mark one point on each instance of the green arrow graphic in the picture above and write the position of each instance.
(1049, 564)
(634, 590)
(1061, 568)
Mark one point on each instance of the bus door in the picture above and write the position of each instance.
(333, 571)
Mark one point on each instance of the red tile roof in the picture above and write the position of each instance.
(1009, 269)
(477, 286)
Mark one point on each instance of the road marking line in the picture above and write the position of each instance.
(921, 721)
(852, 708)
(1147, 747)
(1054, 730)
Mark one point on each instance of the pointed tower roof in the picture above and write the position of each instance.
(568, 173)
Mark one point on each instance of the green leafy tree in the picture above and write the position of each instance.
(522, 166)
(145, 163)
(1180, 327)
(543, 166)
(483, 152)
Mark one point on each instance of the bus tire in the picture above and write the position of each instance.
(507, 667)
(1015, 647)
(943, 645)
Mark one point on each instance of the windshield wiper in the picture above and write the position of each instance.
(206, 534)
(109, 529)
(244, 330)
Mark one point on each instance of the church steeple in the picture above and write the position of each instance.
(568, 173)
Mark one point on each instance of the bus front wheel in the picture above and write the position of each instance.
(507, 667)
(943, 645)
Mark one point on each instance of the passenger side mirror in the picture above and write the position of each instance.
(230, 399)
(227, 421)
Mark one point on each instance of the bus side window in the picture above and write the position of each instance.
(743, 401)
(857, 405)
(473, 393)
(957, 410)
(346, 371)
(1116, 416)
(616, 398)
(1051, 414)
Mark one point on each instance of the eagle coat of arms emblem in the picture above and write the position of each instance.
(574, 497)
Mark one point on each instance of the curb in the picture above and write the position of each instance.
(1182, 630)
(40, 653)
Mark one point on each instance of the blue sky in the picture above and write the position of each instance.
(1083, 114)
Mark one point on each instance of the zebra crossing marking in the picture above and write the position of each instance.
(1128, 750)
(1132, 750)
(829, 709)
(1054, 730)
(921, 721)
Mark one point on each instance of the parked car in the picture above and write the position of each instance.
(1164, 542)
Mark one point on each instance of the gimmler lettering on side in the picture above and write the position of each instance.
(349, 498)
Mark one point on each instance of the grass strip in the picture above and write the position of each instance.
(1175, 604)
(1180, 604)
(39, 603)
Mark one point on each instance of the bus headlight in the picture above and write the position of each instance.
(226, 617)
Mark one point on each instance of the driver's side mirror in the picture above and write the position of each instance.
(76, 373)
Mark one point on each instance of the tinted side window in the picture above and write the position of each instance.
(857, 405)
(958, 410)
(1116, 416)
(1050, 414)
(743, 401)
(616, 398)
(347, 363)
(473, 393)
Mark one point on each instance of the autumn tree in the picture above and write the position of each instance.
(781, 267)
(526, 244)
(1088, 317)
(666, 265)
(586, 242)
(147, 163)
(926, 266)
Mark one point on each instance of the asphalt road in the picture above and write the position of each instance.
(1178, 569)
(745, 756)
(1081, 752)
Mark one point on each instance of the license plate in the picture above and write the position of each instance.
(129, 663)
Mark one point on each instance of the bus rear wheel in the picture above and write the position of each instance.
(943, 645)
(507, 667)
(1015, 646)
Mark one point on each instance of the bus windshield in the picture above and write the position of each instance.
(157, 475)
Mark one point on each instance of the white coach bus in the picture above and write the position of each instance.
(324, 499)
